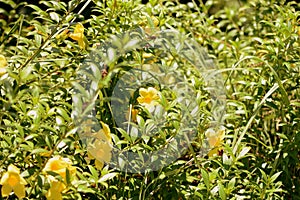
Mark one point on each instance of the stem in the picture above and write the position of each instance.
(45, 43)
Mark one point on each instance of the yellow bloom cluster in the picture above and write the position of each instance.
(58, 165)
(100, 149)
(12, 181)
(78, 35)
(215, 140)
(148, 97)
(3, 64)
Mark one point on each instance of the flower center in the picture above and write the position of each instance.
(55, 166)
(13, 180)
(148, 99)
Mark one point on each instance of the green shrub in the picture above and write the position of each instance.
(50, 45)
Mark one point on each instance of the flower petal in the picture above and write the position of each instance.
(140, 100)
(213, 141)
(54, 193)
(6, 190)
(59, 165)
(214, 152)
(106, 131)
(13, 169)
(100, 151)
(19, 190)
(2, 71)
(79, 28)
(143, 92)
(210, 133)
(22, 181)
(4, 178)
(81, 43)
(152, 91)
(99, 165)
(3, 61)
(76, 36)
(221, 133)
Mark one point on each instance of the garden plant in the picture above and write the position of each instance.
(158, 99)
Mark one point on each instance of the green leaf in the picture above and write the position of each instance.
(205, 178)
(63, 113)
(68, 177)
(25, 73)
(39, 150)
(231, 184)
(54, 16)
(222, 193)
(94, 172)
(264, 175)
(107, 177)
(244, 151)
(274, 177)
(85, 189)
(124, 134)
(38, 39)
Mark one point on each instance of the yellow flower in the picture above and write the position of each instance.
(134, 113)
(133, 116)
(145, 23)
(63, 35)
(55, 191)
(3, 64)
(78, 35)
(12, 181)
(215, 140)
(149, 58)
(155, 21)
(103, 134)
(105, 131)
(100, 149)
(60, 165)
(148, 97)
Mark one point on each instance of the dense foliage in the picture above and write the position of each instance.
(48, 149)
